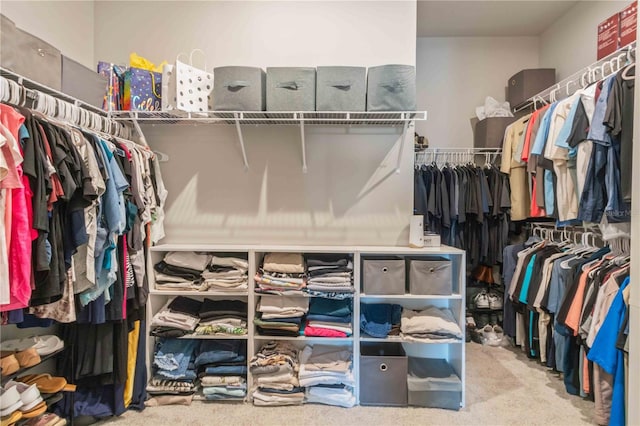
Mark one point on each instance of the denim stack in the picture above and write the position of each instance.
(275, 375)
(326, 372)
(175, 372)
(380, 320)
(223, 370)
(329, 318)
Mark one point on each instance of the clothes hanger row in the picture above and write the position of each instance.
(591, 75)
(13, 93)
(455, 158)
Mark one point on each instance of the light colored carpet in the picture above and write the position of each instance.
(503, 388)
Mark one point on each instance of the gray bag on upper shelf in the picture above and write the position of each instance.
(391, 88)
(239, 89)
(83, 83)
(29, 56)
(291, 89)
(341, 89)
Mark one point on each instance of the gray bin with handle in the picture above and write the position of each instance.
(383, 374)
(433, 383)
(239, 89)
(432, 276)
(391, 88)
(341, 89)
(291, 89)
(29, 56)
(384, 276)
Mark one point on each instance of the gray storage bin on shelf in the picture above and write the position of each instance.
(383, 372)
(527, 83)
(239, 89)
(341, 89)
(432, 276)
(384, 276)
(489, 133)
(29, 56)
(291, 89)
(433, 383)
(83, 83)
(391, 88)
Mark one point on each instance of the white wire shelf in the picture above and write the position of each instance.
(336, 118)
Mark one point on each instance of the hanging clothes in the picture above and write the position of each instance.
(467, 205)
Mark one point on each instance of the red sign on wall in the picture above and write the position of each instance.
(628, 24)
(608, 31)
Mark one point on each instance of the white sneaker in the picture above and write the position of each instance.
(481, 300)
(9, 401)
(488, 334)
(495, 301)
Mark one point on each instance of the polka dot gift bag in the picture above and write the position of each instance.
(193, 86)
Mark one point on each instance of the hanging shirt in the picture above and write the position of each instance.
(516, 170)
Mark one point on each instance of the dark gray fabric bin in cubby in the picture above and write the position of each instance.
(383, 374)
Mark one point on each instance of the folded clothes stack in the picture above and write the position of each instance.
(329, 318)
(275, 375)
(380, 320)
(330, 275)
(281, 273)
(430, 325)
(202, 272)
(178, 317)
(280, 315)
(181, 270)
(223, 371)
(226, 274)
(175, 373)
(226, 317)
(326, 372)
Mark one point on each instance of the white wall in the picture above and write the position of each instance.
(67, 25)
(349, 196)
(455, 74)
(570, 43)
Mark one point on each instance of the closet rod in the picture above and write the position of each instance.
(584, 77)
(459, 155)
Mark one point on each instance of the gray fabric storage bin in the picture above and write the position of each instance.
(383, 373)
(291, 89)
(239, 89)
(83, 83)
(432, 276)
(527, 83)
(29, 56)
(433, 383)
(383, 276)
(341, 89)
(391, 88)
(489, 133)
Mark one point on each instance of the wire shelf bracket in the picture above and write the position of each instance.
(236, 117)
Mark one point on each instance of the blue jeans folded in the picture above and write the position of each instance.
(329, 318)
(214, 351)
(226, 370)
(173, 356)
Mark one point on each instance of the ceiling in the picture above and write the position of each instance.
(482, 18)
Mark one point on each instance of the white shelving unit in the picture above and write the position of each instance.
(454, 352)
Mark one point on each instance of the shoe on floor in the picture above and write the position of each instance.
(29, 394)
(9, 365)
(11, 419)
(28, 358)
(47, 419)
(481, 300)
(499, 332)
(9, 401)
(488, 333)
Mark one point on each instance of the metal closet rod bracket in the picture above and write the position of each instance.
(237, 117)
(405, 128)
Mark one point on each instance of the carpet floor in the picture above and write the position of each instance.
(503, 388)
